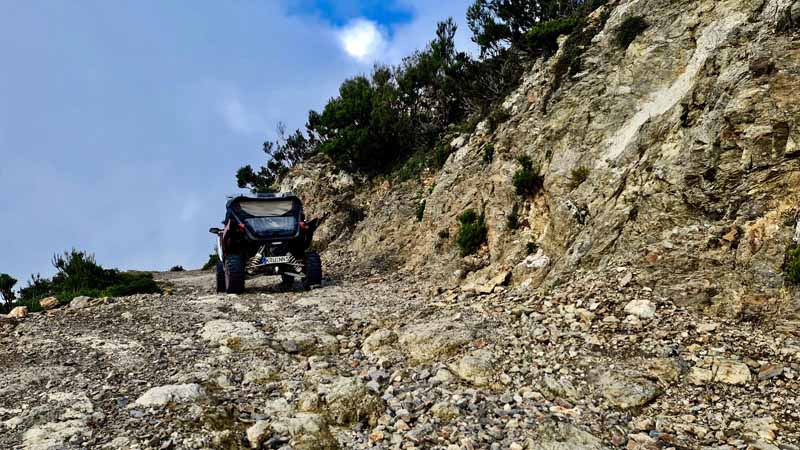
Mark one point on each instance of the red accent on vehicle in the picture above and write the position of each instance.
(303, 225)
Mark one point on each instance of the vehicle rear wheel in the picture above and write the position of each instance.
(313, 268)
(234, 274)
(220, 277)
(287, 281)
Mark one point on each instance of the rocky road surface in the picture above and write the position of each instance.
(389, 362)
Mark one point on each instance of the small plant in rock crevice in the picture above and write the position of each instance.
(513, 218)
(488, 153)
(629, 30)
(527, 179)
(531, 247)
(472, 232)
(578, 176)
(791, 264)
(420, 212)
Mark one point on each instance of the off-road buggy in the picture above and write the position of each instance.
(266, 234)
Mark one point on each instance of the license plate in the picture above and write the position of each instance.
(278, 259)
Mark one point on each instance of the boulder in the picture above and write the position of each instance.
(307, 342)
(54, 435)
(624, 391)
(80, 302)
(377, 341)
(235, 335)
(176, 393)
(348, 400)
(643, 309)
(719, 370)
(553, 435)
(308, 431)
(476, 367)
(432, 341)
(49, 303)
(258, 433)
(18, 312)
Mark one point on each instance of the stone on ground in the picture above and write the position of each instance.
(176, 393)
(234, 335)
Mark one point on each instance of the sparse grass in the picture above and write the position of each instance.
(792, 264)
(488, 153)
(420, 212)
(472, 232)
(578, 176)
(629, 30)
(527, 180)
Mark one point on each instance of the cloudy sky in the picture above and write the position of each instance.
(122, 123)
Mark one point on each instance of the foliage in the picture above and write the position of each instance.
(472, 232)
(282, 155)
(792, 264)
(542, 38)
(420, 211)
(7, 283)
(213, 259)
(531, 248)
(497, 116)
(488, 153)
(79, 274)
(513, 219)
(176, 269)
(578, 176)
(527, 180)
(497, 24)
(629, 30)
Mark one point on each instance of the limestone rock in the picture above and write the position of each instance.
(643, 309)
(378, 340)
(719, 370)
(308, 431)
(18, 312)
(307, 342)
(625, 391)
(234, 335)
(552, 435)
(177, 393)
(258, 433)
(445, 411)
(54, 434)
(348, 400)
(434, 340)
(81, 302)
(477, 367)
(49, 303)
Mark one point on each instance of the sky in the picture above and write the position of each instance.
(122, 123)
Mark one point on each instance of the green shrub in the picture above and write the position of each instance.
(488, 153)
(792, 264)
(78, 274)
(531, 248)
(176, 269)
(578, 176)
(629, 30)
(420, 212)
(542, 38)
(513, 219)
(472, 232)
(497, 116)
(527, 180)
(213, 259)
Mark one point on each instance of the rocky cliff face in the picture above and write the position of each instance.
(691, 141)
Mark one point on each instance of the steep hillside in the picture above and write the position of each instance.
(676, 157)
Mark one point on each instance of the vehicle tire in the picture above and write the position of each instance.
(220, 277)
(313, 268)
(234, 274)
(287, 281)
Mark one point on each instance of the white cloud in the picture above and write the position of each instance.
(362, 39)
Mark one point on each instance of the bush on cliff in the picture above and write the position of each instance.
(472, 232)
(792, 264)
(527, 180)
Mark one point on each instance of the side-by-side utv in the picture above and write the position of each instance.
(266, 234)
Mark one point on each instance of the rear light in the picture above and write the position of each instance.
(303, 226)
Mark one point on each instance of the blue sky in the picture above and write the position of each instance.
(122, 123)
